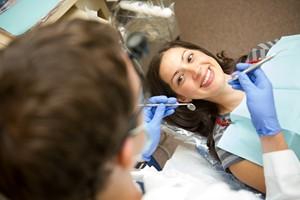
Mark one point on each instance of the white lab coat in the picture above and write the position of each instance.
(181, 181)
(282, 175)
(188, 176)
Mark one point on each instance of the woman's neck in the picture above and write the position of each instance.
(228, 99)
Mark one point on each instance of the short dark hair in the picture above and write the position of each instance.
(203, 119)
(64, 103)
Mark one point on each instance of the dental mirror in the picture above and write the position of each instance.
(189, 106)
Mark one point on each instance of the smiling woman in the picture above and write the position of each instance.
(194, 75)
(191, 73)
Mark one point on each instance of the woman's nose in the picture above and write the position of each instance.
(196, 72)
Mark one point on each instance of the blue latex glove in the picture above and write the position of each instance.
(260, 100)
(153, 117)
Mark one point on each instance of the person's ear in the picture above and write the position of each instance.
(184, 99)
(126, 154)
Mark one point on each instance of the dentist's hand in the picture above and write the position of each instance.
(260, 100)
(153, 117)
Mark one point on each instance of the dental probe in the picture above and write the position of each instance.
(190, 106)
(256, 65)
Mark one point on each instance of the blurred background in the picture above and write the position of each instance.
(236, 26)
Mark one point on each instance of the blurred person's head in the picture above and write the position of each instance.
(68, 103)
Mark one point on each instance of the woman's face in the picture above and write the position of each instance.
(191, 74)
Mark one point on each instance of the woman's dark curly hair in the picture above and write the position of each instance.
(203, 119)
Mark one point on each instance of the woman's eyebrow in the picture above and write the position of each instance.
(182, 58)
(182, 55)
(174, 76)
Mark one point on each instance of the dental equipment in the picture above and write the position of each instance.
(256, 65)
(147, 9)
(137, 46)
(190, 106)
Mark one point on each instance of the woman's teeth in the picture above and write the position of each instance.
(206, 77)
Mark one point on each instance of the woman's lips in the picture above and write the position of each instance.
(208, 79)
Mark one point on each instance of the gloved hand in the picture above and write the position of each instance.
(260, 100)
(153, 117)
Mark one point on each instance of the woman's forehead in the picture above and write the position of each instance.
(174, 51)
(172, 55)
(178, 51)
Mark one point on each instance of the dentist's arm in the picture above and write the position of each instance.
(281, 166)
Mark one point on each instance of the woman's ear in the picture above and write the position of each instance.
(184, 99)
(126, 154)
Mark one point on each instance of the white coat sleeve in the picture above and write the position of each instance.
(282, 175)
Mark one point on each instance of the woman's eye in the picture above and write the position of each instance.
(190, 57)
(180, 79)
